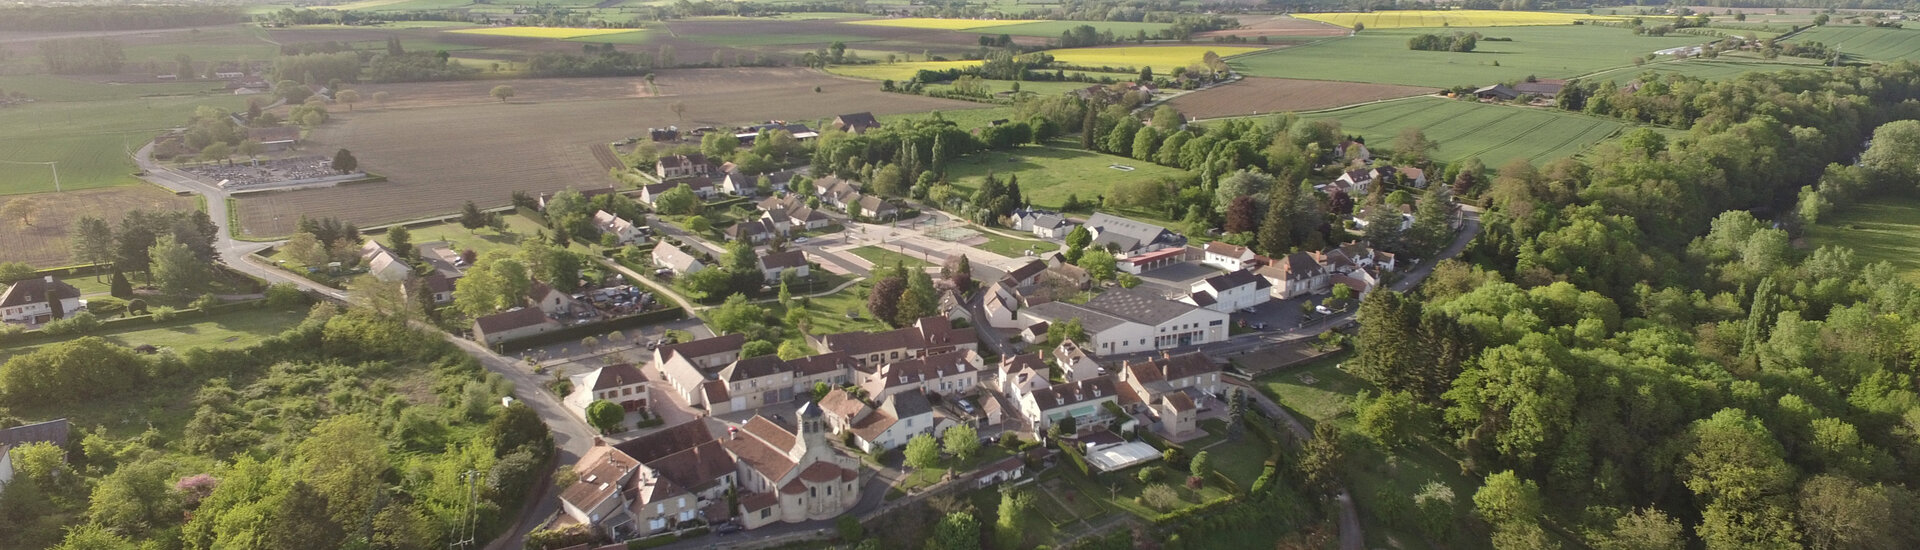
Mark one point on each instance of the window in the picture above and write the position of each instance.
(765, 513)
(829, 490)
(1215, 323)
(813, 491)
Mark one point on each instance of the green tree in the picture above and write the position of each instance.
(918, 300)
(699, 225)
(1643, 529)
(1100, 264)
(1201, 466)
(1389, 353)
(472, 218)
(1837, 512)
(502, 92)
(678, 201)
(737, 315)
(1321, 458)
(757, 348)
(400, 239)
(302, 520)
(606, 416)
(516, 427)
(1506, 497)
(962, 441)
(1737, 467)
(94, 537)
(175, 269)
(794, 349)
(957, 531)
(922, 452)
(1079, 237)
(345, 459)
(1390, 419)
(135, 499)
(883, 301)
(92, 242)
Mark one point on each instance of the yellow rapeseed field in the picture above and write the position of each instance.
(558, 33)
(1161, 58)
(896, 71)
(936, 23)
(1449, 18)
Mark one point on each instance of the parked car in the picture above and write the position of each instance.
(727, 528)
(1323, 310)
(966, 406)
(797, 240)
(1246, 310)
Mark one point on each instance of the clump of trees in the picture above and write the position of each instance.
(1457, 42)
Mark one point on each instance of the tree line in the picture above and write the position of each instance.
(115, 18)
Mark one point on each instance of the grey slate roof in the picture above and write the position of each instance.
(1090, 320)
(1238, 279)
(1128, 234)
(1138, 305)
(907, 404)
(51, 431)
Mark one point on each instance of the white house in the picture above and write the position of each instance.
(1083, 400)
(1121, 321)
(951, 373)
(667, 256)
(554, 302)
(1362, 215)
(1019, 374)
(898, 418)
(772, 265)
(681, 166)
(6, 466)
(1296, 274)
(1074, 362)
(1231, 257)
(620, 228)
(622, 384)
(1230, 291)
(1045, 224)
(510, 325)
(37, 301)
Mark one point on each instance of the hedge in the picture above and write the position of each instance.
(594, 329)
(1074, 456)
(147, 319)
(531, 214)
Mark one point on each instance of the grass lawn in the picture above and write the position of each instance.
(1495, 133)
(830, 312)
(1052, 29)
(87, 285)
(1886, 229)
(1014, 248)
(1048, 174)
(1873, 43)
(1546, 52)
(481, 240)
(226, 330)
(1330, 395)
(1241, 461)
(91, 136)
(1119, 489)
(1448, 18)
(885, 257)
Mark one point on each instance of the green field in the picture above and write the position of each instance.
(749, 40)
(1495, 133)
(635, 37)
(90, 137)
(225, 330)
(1382, 56)
(1872, 43)
(1052, 29)
(1049, 174)
(1706, 69)
(965, 118)
(1884, 230)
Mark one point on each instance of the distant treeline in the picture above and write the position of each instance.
(115, 18)
(1459, 42)
(605, 63)
(290, 16)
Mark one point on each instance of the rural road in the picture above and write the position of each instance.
(571, 436)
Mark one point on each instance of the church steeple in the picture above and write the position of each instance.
(811, 432)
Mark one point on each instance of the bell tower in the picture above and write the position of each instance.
(810, 433)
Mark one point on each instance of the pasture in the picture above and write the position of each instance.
(1495, 133)
(1052, 29)
(941, 24)
(1257, 95)
(897, 71)
(1887, 229)
(1871, 43)
(1049, 174)
(1706, 69)
(1382, 56)
(559, 33)
(541, 143)
(1397, 19)
(1161, 58)
(1276, 26)
(44, 244)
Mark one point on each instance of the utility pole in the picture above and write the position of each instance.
(463, 528)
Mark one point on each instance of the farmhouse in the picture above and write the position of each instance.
(514, 324)
(856, 123)
(701, 187)
(39, 300)
(1296, 274)
(1125, 320)
(1355, 263)
(682, 166)
(667, 256)
(275, 137)
(383, 263)
(927, 336)
(625, 231)
(1131, 237)
(1230, 291)
(622, 384)
(555, 303)
(1498, 92)
(438, 286)
(774, 264)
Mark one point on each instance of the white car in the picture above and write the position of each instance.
(1323, 310)
(799, 239)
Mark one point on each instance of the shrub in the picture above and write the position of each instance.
(1149, 475)
(1160, 497)
(81, 323)
(205, 302)
(164, 313)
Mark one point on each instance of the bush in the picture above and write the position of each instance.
(80, 323)
(285, 296)
(1160, 497)
(164, 313)
(849, 527)
(205, 302)
(1149, 475)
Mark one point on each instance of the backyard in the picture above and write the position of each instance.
(223, 330)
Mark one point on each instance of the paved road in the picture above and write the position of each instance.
(570, 434)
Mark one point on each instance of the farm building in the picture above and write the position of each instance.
(1045, 224)
(1230, 291)
(1543, 87)
(856, 123)
(1131, 237)
(1124, 321)
(682, 166)
(1499, 92)
(276, 137)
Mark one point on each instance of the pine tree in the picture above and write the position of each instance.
(1759, 317)
(121, 288)
(1276, 231)
(1448, 345)
(1389, 352)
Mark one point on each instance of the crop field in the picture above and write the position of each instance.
(1161, 58)
(1708, 69)
(632, 36)
(1887, 229)
(896, 71)
(1052, 29)
(1257, 95)
(1276, 26)
(429, 154)
(1495, 133)
(1382, 56)
(1873, 43)
(1397, 19)
(44, 244)
(1049, 174)
(736, 40)
(540, 32)
(941, 24)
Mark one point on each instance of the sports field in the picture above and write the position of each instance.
(540, 32)
(1382, 56)
(1873, 43)
(89, 129)
(1397, 19)
(1495, 133)
(941, 24)
(1049, 174)
(1887, 229)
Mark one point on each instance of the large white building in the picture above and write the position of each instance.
(1124, 320)
(1230, 291)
